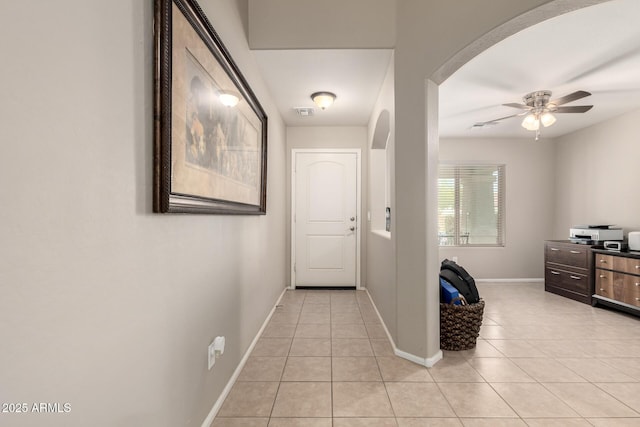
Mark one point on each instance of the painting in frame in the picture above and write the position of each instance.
(208, 157)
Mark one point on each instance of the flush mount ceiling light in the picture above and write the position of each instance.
(228, 99)
(323, 100)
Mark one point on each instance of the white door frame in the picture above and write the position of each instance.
(361, 221)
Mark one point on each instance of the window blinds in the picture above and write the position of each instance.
(471, 205)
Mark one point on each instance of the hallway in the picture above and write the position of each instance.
(542, 360)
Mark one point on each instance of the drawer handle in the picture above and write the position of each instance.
(554, 272)
(575, 277)
(604, 261)
(637, 267)
(601, 289)
(637, 284)
(554, 249)
(575, 252)
(602, 276)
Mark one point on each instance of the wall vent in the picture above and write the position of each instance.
(304, 111)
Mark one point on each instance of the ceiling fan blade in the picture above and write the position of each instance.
(574, 109)
(480, 124)
(570, 98)
(516, 105)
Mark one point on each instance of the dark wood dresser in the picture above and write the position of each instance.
(568, 270)
(617, 280)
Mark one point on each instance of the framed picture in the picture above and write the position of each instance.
(210, 150)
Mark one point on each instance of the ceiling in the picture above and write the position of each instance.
(354, 75)
(596, 49)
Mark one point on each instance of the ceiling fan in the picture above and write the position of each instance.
(539, 109)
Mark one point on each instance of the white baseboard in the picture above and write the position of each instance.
(225, 392)
(428, 362)
(519, 280)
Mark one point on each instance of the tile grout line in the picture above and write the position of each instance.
(282, 373)
(331, 355)
(384, 383)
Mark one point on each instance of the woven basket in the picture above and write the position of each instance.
(460, 325)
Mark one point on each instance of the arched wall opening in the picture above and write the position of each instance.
(431, 140)
(380, 186)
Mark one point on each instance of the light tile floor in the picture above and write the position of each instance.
(541, 360)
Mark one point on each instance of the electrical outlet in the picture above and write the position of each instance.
(215, 350)
(218, 346)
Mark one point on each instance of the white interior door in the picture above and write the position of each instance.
(325, 219)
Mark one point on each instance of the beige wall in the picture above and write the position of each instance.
(310, 24)
(104, 304)
(328, 137)
(530, 172)
(381, 268)
(597, 176)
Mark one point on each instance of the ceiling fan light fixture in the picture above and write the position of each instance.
(531, 122)
(540, 108)
(547, 119)
(323, 100)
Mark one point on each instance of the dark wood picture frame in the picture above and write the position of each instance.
(208, 158)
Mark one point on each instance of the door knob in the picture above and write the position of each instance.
(353, 218)
(352, 228)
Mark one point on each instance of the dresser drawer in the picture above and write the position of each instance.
(604, 283)
(605, 261)
(568, 253)
(626, 265)
(568, 280)
(631, 290)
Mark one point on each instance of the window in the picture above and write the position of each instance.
(471, 205)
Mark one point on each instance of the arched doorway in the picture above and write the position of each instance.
(407, 272)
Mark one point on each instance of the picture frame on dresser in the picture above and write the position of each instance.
(210, 131)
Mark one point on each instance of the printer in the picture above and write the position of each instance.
(594, 234)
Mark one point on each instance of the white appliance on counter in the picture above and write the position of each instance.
(634, 240)
(592, 234)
